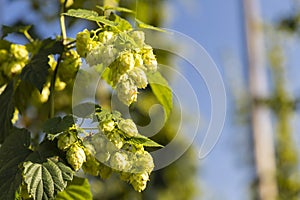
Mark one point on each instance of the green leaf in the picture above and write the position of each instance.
(23, 95)
(45, 179)
(7, 108)
(147, 26)
(142, 140)
(13, 152)
(162, 91)
(119, 9)
(89, 15)
(78, 188)
(58, 124)
(36, 71)
(121, 24)
(4, 44)
(13, 29)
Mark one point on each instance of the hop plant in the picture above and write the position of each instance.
(19, 52)
(84, 43)
(76, 156)
(142, 161)
(128, 127)
(107, 126)
(139, 77)
(119, 161)
(138, 37)
(101, 54)
(149, 58)
(91, 166)
(69, 66)
(127, 90)
(12, 61)
(106, 37)
(116, 139)
(65, 140)
(139, 181)
(127, 55)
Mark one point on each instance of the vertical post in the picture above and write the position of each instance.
(261, 119)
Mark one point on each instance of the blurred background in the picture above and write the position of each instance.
(255, 45)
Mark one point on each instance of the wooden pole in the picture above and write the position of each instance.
(261, 117)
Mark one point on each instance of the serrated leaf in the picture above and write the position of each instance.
(36, 71)
(7, 108)
(89, 15)
(13, 152)
(78, 188)
(162, 91)
(13, 29)
(147, 26)
(58, 124)
(45, 179)
(119, 9)
(142, 140)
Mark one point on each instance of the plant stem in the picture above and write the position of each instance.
(52, 89)
(29, 38)
(62, 22)
(53, 80)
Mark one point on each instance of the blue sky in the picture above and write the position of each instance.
(218, 26)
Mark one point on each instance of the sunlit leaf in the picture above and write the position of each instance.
(78, 188)
(120, 23)
(119, 9)
(141, 24)
(142, 140)
(162, 91)
(45, 179)
(89, 15)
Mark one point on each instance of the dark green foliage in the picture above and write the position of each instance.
(13, 152)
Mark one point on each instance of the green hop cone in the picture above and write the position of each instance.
(107, 126)
(19, 52)
(139, 181)
(101, 54)
(119, 161)
(65, 140)
(143, 162)
(116, 140)
(91, 166)
(126, 91)
(104, 171)
(139, 77)
(84, 43)
(69, 66)
(149, 58)
(125, 176)
(4, 56)
(128, 127)
(138, 59)
(76, 156)
(138, 37)
(126, 61)
(106, 37)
